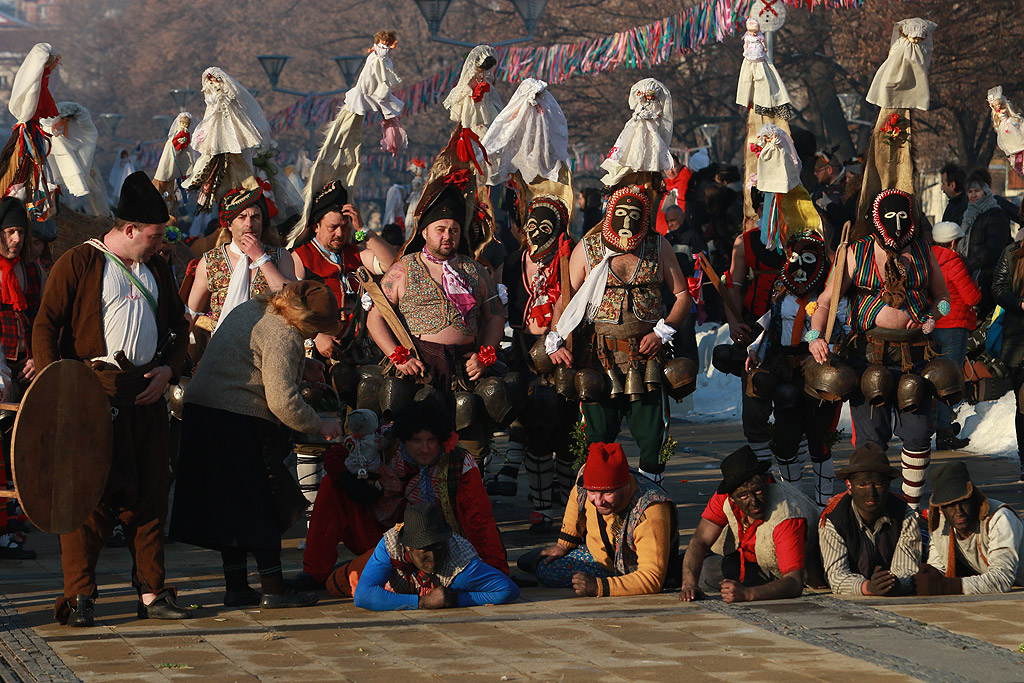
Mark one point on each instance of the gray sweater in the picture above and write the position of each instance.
(253, 366)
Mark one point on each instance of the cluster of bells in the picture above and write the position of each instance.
(501, 399)
(836, 380)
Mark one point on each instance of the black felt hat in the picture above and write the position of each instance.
(332, 197)
(13, 213)
(738, 467)
(449, 203)
(141, 202)
(950, 482)
(424, 526)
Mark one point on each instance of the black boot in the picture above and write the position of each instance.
(947, 440)
(81, 615)
(163, 608)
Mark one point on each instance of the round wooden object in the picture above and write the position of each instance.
(62, 447)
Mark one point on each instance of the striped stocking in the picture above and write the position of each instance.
(915, 464)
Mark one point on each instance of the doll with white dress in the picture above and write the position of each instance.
(473, 104)
(233, 130)
(760, 85)
(901, 82)
(529, 135)
(1009, 128)
(643, 144)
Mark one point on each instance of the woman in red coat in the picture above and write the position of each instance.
(951, 330)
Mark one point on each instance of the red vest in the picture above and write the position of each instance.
(764, 273)
(328, 271)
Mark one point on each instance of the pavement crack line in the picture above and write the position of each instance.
(800, 620)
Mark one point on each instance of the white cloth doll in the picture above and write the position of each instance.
(760, 85)
(473, 103)
(643, 144)
(1009, 128)
(362, 443)
(72, 146)
(901, 82)
(174, 158)
(529, 135)
(778, 165)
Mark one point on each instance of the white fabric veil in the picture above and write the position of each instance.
(643, 144)
(173, 163)
(463, 88)
(530, 135)
(234, 121)
(28, 83)
(778, 164)
(72, 147)
(901, 82)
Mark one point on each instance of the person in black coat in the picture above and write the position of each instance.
(986, 231)
(1008, 290)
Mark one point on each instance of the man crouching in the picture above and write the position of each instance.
(619, 532)
(763, 532)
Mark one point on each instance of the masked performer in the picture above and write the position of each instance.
(782, 351)
(618, 271)
(896, 291)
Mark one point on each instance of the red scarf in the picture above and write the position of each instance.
(10, 288)
(421, 581)
(546, 287)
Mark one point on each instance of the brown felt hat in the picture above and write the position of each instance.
(869, 458)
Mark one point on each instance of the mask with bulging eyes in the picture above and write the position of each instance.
(542, 228)
(625, 223)
(893, 217)
(806, 267)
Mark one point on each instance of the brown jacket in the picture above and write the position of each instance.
(69, 323)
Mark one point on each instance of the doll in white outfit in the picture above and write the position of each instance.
(760, 85)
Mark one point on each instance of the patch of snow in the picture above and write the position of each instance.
(990, 427)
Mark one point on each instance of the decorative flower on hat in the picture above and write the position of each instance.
(895, 132)
(459, 178)
(181, 140)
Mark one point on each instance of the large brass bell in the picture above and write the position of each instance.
(565, 382)
(539, 355)
(615, 387)
(653, 375)
(635, 388)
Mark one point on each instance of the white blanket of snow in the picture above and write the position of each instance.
(989, 425)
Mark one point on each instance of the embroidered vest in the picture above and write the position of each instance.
(340, 279)
(763, 267)
(861, 557)
(425, 307)
(218, 277)
(784, 502)
(643, 289)
(16, 326)
(624, 534)
(866, 298)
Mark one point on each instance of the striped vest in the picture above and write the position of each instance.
(867, 300)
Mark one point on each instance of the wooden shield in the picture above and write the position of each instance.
(62, 447)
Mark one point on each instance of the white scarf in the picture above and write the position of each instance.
(588, 298)
(238, 288)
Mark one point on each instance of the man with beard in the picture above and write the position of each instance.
(617, 272)
(112, 304)
(536, 296)
(448, 301)
(896, 293)
(337, 246)
(976, 541)
(763, 534)
(782, 352)
(870, 539)
(21, 286)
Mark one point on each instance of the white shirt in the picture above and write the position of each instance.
(129, 323)
(994, 552)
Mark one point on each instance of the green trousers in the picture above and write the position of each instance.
(646, 419)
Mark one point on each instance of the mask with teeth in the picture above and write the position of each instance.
(807, 264)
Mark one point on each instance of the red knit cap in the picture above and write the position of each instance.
(606, 468)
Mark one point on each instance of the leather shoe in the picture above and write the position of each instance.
(303, 582)
(280, 600)
(163, 608)
(249, 597)
(81, 614)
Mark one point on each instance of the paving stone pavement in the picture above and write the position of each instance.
(546, 635)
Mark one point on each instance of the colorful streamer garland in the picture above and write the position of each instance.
(640, 47)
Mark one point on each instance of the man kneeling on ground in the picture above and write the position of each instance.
(763, 532)
(619, 532)
(985, 557)
(421, 564)
(870, 539)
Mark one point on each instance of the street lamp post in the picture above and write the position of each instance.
(181, 97)
(433, 12)
(709, 131)
(273, 65)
